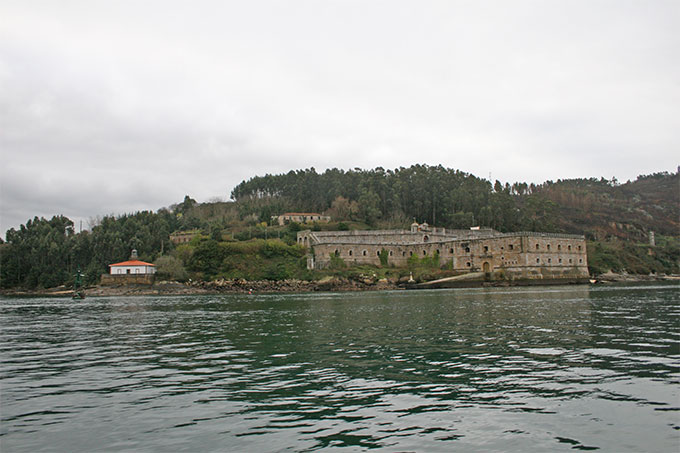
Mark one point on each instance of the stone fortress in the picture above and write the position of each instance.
(513, 256)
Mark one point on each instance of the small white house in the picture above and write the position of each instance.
(132, 267)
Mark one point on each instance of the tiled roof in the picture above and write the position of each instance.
(132, 263)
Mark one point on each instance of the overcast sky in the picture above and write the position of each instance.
(118, 106)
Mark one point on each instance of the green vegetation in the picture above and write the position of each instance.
(253, 260)
(384, 256)
(238, 239)
(634, 258)
(170, 268)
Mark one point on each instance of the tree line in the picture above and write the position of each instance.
(47, 252)
(434, 194)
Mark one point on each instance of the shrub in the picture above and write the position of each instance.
(170, 268)
(384, 256)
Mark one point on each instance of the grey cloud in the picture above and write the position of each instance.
(125, 106)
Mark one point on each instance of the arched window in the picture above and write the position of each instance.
(451, 250)
(424, 252)
(548, 246)
(511, 246)
(390, 252)
(467, 264)
(537, 247)
(349, 253)
(538, 260)
(486, 248)
(426, 238)
(569, 248)
(364, 253)
(337, 252)
(377, 253)
(467, 249)
(559, 247)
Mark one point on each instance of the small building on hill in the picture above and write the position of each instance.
(128, 272)
(132, 267)
(182, 237)
(300, 217)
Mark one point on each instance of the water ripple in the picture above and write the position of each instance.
(488, 369)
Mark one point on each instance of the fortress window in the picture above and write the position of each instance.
(560, 261)
(451, 251)
(580, 260)
(467, 264)
(410, 253)
(364, 252)
(549, 260)
(569, 248)
(390, 252)
(486, 248)
(350, 253)
(559, 247)
(337, 253)
(424, 252)
(570, 260)
(579, 247)
(403, 253)
(537, 247)
(426, 238)
(511, 246)
(467, 249)
(548, 246)
(538, 260)
(438, 252)
(377, 253)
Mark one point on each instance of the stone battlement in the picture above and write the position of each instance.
(525, 254)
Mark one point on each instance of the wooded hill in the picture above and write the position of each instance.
(598, 208)
(616, 219)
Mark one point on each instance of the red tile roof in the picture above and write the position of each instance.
(132, 263)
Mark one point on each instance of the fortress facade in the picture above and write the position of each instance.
(521, 255)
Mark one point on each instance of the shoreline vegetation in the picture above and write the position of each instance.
(327, 284)
(630, 228)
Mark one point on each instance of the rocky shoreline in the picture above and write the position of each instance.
(328, 284)
(215, 287)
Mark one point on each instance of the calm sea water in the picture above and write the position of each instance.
(521, 369)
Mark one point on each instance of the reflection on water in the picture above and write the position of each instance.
(476, 369)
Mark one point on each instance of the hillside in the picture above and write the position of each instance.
(601, 209)
(616, 219)
(604, 209)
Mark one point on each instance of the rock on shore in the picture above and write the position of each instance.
(166, 288)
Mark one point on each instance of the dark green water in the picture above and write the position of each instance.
(522, 369)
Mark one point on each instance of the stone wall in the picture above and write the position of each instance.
(127, 279)
(524, 254)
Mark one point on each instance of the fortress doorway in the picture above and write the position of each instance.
(486, 267)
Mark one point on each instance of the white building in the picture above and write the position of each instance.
(132, 267)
